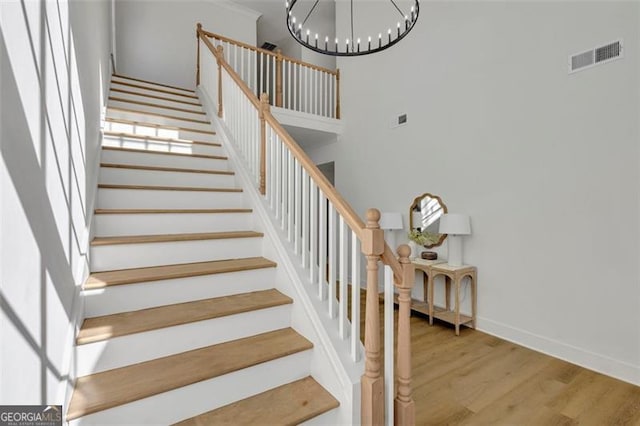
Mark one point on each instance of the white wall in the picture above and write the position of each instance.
(55, 67)
(545, 163)
(156, 40)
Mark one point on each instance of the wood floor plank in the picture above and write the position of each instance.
(122, 324)
(170, 211)
(168, 188)
(155, 89)
(152, 82)
(112, 388)
(199, 236)
(158, 125)
(164, 98)
(159, 139)
(154, 105)
(166, 169)
(157, 114)
(177, 154)
(290, 404)
(166, 272)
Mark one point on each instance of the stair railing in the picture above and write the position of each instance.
(290, 83)
(327, 236)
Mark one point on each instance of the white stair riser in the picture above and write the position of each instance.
(142, 98)
(162, 160)
(126, 256)
(162, 146)
(126, 350)
(123, 176)
(159, 199)
(150, 127)
(331, 417)
(188, 401)
(157, 109)
(135, 116)
(133, 297)
(116, 80)
(172, 223)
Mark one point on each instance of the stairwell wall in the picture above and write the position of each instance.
(54, 80)
(546, 164)
(156, 40)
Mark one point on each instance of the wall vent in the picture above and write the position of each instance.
(595, 56)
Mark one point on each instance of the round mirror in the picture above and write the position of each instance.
(424, 220)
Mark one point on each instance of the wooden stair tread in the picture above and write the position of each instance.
(146, 95)
(166, 169)
(168, 188)
(290, 404)
(170, 211)
(153, 82)
(159, 139)
(126, 323)
(157, 114)
(151, 104)
(157, 125)
(141, 239)
(166, 272)
(120, 386)
(178, 154)
(155, 89)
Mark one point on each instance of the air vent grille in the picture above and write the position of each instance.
(595, 56)
(609, 51)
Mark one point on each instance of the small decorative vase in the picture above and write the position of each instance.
(415, 250)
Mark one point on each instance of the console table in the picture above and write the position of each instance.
(425, 266)
(455, 275)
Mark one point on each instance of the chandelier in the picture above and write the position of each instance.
(353, 46)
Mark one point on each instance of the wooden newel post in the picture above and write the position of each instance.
(404, 405)
(338, 93)
(279, 78)
(264, 108)
(372, 383)
(219, 57)
(198, 29)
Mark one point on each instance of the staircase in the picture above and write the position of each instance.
(186, 321)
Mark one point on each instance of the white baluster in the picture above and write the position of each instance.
(344, 266)
(313, 239)
(285, 187)
(322, 265)
(355, 297)
(332, 261)
(278, 177)
(290, 208)
(297, 171)
(305, 219)
(389, 376)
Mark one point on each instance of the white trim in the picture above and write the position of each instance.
(611, 367)
(235, 7)
(288, 117)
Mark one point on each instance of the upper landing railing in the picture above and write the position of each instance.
(289, 83)
(328, 239)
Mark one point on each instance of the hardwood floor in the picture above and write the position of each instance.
(478, 379)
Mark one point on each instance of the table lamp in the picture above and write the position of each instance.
(391, 221)
(455, 225)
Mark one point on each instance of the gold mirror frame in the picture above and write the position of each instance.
(416, 202)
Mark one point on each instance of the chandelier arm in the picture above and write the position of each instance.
(397, 8)
(310, 12)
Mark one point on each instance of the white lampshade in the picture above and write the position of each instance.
(455, 224)
(391, 220)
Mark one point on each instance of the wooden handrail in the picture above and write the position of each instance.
(268, 52)
(351, 217)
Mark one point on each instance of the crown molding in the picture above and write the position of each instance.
(233, 6)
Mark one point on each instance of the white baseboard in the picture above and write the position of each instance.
(602, 364)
